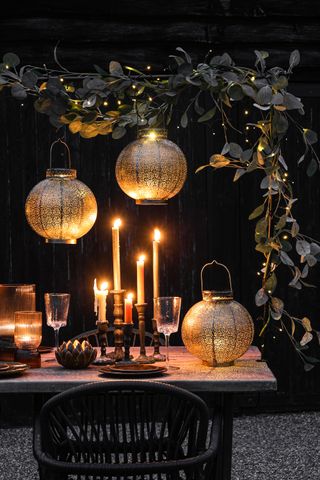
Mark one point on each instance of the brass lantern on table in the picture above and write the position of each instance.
(151, 169)
(61, 208)
(218, 330)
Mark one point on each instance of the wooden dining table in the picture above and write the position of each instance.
(216, 385)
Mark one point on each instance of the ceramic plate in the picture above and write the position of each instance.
(133, 370)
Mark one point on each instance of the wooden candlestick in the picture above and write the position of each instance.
(118, 312)
(103, 359)
(143, 358)
(127, 334)
(158, 357)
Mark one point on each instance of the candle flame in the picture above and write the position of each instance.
(157, 235)
(152, 135)
(141, 258)
(130, 296)
(117, 223)
(104, 286)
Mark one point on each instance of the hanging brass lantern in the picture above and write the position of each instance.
(218, 330)
(151, 169)
(61, 208)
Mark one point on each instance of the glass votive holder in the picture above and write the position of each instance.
(28, 330)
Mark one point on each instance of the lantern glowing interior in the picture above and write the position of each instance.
(14, 297)
(28, 330)
(61, 208)
(151, 169)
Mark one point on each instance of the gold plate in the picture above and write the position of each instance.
(14, 368)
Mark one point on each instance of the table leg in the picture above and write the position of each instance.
(223, 465)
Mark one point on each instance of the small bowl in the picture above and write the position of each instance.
(75, 355)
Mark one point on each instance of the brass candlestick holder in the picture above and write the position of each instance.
(118, 313)
(158, 357)
(142, 358)
(103, 359)
(127, 334)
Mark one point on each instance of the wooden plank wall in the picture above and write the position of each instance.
(209, 218)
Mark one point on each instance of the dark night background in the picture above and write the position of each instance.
(209, 218)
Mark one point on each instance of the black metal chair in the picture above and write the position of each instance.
(133, 430)
(92, 337)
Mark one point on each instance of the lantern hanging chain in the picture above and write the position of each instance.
(60, 140)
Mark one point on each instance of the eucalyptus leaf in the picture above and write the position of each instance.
(312, 167)
(208, 115)
(219, 161)
(307, 337)
(314, 248)
(295, 229)
(294, 59)
(307, 324)
(11, 59)
(115, 68)
(305, 271)
(225, 149)
(18, 92)
(264, 95)
(310, 136)
(235, 150)
(257, 212)
(239, 173)
(118, 132)
(261, 297)
(285, 259)
(302, 247)
(311, 260)
(283, 162)
(184, 120)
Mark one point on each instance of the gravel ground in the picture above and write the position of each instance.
(266, 447)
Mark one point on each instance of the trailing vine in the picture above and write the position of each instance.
(110, 102)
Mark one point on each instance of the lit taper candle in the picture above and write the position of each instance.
(140, 279)
(155, 244)
(128, 308)
(100, 300)
(116, 255)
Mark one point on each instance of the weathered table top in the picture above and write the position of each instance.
(247, 375)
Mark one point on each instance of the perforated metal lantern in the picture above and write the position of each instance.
(218, 330)
(151, 169)
(61, 208)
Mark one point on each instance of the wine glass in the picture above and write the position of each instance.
(57, 307)
(167, 314)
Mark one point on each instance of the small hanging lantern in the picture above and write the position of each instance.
(218, 330)
(151, 169)
(61, 208)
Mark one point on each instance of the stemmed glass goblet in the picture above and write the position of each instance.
(57, 307)
(167, 315)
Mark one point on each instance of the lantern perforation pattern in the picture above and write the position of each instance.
(152, 169)
(61, 208)
(218, 330)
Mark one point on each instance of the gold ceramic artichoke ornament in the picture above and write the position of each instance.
(61, 208)
(218, 330)
(151, 169)
(75, 355)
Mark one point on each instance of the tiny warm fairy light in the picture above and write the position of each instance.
(61, 79)
(134, 87)
(105, 103)
(247, 141)
(7, 67)
(246, 112)
(150, 99)
(285, 237)
(247, 128)
(158, 79)
(264, 264)
(252, 78)
(269, 291)
(258, 273)
(119, 102)
(222, 124)
(148, 67)
(286, 174)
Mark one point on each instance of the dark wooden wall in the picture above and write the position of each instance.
(209, 218)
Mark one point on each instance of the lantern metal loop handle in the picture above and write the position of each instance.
(214, 262)
(67, 147)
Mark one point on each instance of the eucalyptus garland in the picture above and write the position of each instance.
(110, 102)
